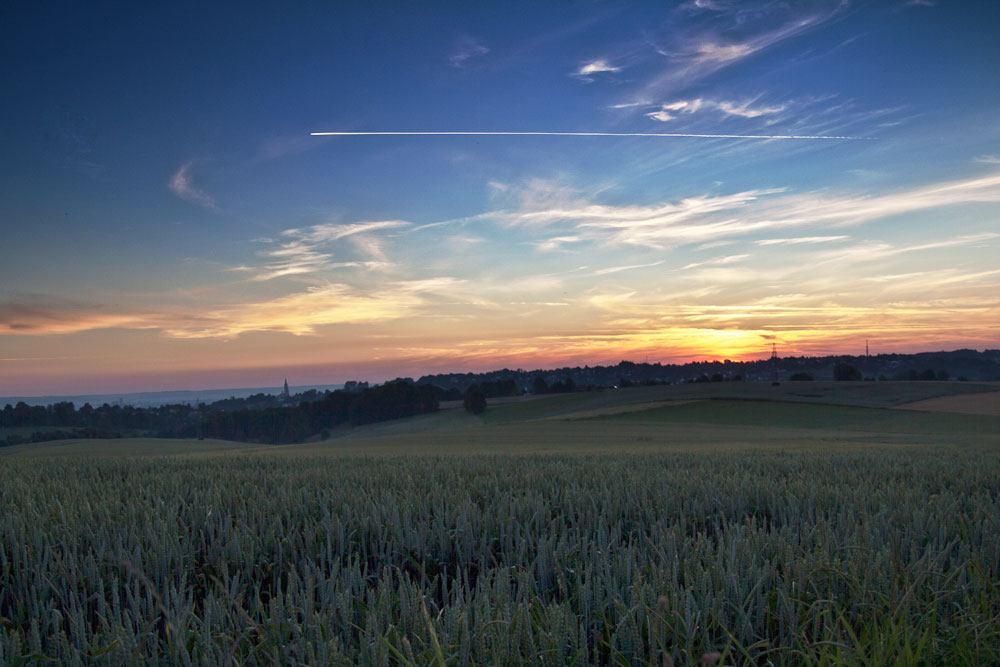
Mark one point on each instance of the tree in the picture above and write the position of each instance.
(475, 400)
(846, 372)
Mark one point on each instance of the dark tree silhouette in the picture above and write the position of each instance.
(475, 400)
(846, 372)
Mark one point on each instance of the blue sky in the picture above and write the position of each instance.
(169, 221)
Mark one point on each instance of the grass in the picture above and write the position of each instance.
(793, 557)
(799, 530)
(831, 418)
(118, 447)
(726, 417)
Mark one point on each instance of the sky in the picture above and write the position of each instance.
(169, 221)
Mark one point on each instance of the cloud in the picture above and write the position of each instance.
(728, 259)
(802, 239)
(666, 223)
(302, 313)
(671, 110)
(745, 111)
(618, 269)
(466, 49)
(594, 67)
(308, 249)
(442, 285)
(298, 313)
(804, 274)
(661, 116)
(370, 246)
(334, 231)
(630, 105)
(556, 242)
(44, 315)
(685, 106)
(711, 52)
(715, 244)
(872, 251)
(708, 218)
(932, 281)
(988, 159)
(181, 185)
(697, 44)
(278, 147)
(967, 239)
(712, 5)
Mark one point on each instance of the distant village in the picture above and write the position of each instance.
(960, 365)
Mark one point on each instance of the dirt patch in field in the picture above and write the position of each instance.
(987, 403)
(619, 409)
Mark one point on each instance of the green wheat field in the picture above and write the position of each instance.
(802, 524)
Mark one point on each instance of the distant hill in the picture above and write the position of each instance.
(955, 365)
(151, 399)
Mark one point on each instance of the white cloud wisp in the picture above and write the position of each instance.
(182, 185)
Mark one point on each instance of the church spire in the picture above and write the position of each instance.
(284, 392)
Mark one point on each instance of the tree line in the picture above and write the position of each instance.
(271, 422)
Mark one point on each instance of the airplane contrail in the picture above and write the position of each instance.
(578, 134)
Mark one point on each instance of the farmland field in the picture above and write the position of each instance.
(795, 524)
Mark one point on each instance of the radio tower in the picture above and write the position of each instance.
(867, 354)
(774, 350)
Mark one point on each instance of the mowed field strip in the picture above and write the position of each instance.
(987, 403)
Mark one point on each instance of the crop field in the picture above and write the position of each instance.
(987, 403)
(622, 527)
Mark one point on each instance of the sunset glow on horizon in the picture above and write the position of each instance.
(191, 203)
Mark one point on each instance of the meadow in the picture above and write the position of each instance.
(776, 525)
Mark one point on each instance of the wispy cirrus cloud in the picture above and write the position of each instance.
(630, 105)
(745, 109)
(182, 184)
(466, 50)
(630, 267)
(557, 242)
(309, 250)
(697, 39)
(300, 313)
(802, 239)
(587, 70)
(713, 5)
(697, 43)
(871, 251)
(728, 259)
(709, 218)
(335, 231)
(668, 223)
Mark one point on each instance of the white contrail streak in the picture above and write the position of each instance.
(576, 134)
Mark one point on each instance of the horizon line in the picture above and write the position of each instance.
(582, 134)
(542, 369)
